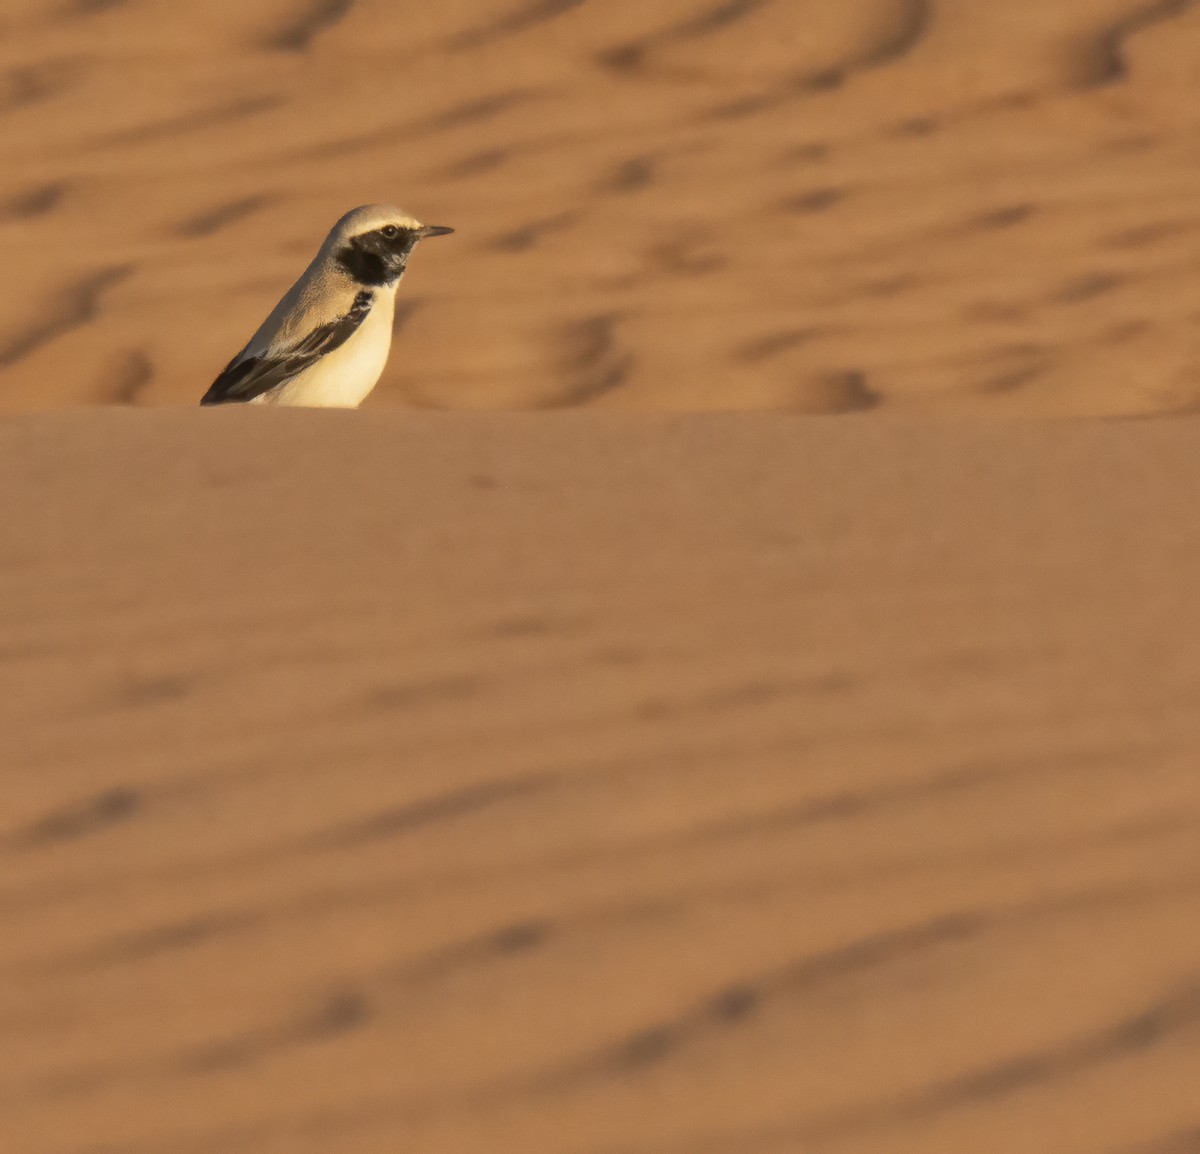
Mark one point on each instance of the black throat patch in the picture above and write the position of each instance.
(374, 259)
(368, 268)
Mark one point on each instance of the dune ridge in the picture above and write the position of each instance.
(593, 782)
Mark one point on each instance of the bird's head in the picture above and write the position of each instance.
(373, 243)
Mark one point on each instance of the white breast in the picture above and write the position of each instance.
(343, 378)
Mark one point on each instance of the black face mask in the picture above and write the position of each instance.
(378, 257)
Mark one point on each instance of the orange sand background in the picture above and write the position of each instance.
(601, 781)
(816, 205)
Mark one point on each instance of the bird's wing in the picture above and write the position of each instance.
(247, 377)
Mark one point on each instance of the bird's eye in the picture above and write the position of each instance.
(390, 231)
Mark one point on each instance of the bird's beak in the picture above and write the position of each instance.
(433, 230)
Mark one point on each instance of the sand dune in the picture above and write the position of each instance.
(815, 205)
(589, 782)
(632, 779)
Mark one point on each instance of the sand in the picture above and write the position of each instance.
(786, 748)
(605, 783)
(812, 205)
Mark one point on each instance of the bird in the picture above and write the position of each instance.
(326, 342)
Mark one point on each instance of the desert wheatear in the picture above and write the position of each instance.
(326, 342)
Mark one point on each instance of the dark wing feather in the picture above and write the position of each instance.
(243, 380)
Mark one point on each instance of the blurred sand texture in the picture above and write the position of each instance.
(598, 784)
